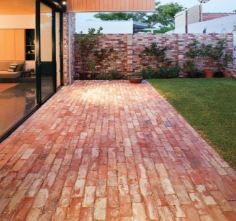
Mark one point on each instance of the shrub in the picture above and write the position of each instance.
(162, 72)
(90, 55)
(158, 52)
(168, 72)
(192, 71)
(215, 53)
(116, 75)
(111, 75)
(148, 73)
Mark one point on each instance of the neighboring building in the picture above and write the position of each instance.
(193, 20)
(225, 24)
(37, 48)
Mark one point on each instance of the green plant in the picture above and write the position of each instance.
(148, 73)
(191, 70)
(219, 54)
(168, 72)
(115, 74)
(90, 55)
(215, 53)
(110, 75)
(162, 72)
(158, 52)
(86, 45)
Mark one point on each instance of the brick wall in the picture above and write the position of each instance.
(68, 48)
(127, 49)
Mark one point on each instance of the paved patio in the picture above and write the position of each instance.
(112, 151)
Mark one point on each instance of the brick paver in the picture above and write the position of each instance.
(112, 151)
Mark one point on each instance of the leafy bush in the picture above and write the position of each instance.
(148, 73)
(90, 54)
(192, 71)
(216, 53)
(156, 51)
(111, 75)
(162, 72)
(168, 72)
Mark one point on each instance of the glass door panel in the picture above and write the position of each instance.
(46, 51)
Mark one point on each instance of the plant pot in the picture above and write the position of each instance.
(208, 72)
(135, 79)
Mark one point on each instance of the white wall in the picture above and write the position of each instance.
(219, 25)
(17, 21)
(109, 27)
(180, 22)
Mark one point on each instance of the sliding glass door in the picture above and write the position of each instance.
(49, 66)
(30, 58)
(47, 63)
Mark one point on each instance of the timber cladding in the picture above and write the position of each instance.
(110, 5)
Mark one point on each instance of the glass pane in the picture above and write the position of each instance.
(17, 62)
(58, 42)
(46, 67)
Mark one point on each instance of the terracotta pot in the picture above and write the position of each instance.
(135, 79)
(208, 72)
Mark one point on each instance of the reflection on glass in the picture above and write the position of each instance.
(58, 64)
(17, 62)
(46, 67)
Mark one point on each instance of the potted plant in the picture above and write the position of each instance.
(135, 78)
(221, 57)
(209, 73)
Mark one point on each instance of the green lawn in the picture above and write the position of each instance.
(209, 105)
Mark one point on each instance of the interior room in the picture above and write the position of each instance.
(17, 61)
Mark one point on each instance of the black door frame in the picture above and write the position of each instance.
(55, 8)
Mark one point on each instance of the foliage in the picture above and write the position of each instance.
(156, 51)
(162, 72)
(163, 29)
(118, 16)
(148, 73)
(164, 15)
(208, 106)
(203, 1)
(90, 55)
(191, 70)
(216, 53)
(168, 72)
(111, 75)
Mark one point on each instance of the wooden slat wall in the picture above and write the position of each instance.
(109, 5)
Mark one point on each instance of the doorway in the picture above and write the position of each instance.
(31, 62)
(48, 57)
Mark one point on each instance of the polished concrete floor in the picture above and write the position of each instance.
(16, 101)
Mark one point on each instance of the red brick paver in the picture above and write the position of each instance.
(112, 151)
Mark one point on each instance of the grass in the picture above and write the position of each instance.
(209, 105)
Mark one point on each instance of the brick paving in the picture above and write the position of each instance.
(112, 151)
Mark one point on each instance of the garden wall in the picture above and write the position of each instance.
(127, 49)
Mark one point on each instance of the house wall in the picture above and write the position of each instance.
(127, 49)
(17, 21)
(219, 25)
